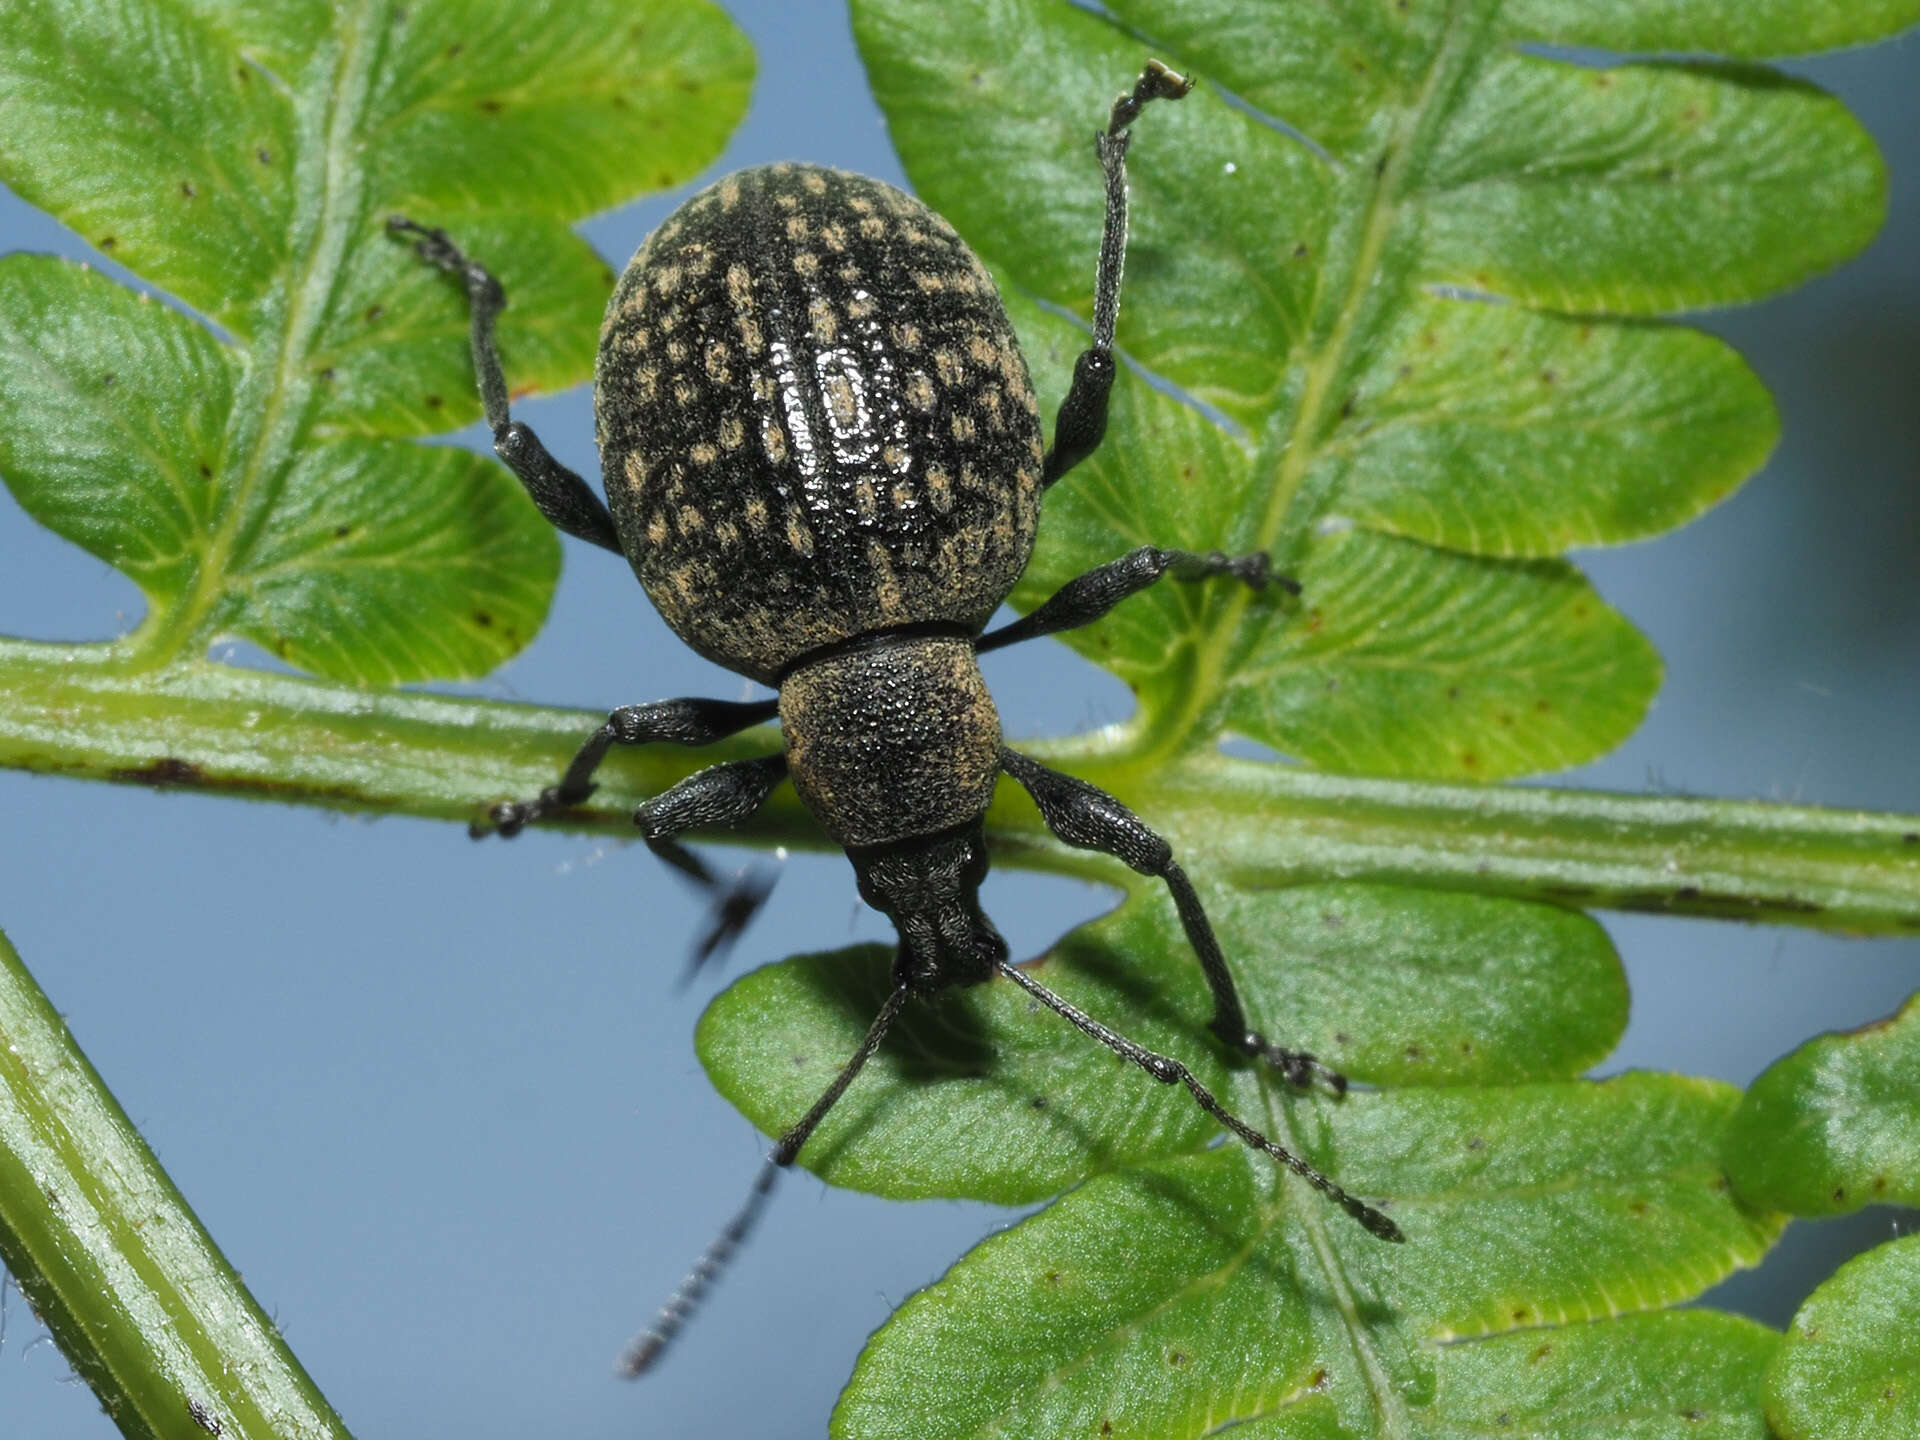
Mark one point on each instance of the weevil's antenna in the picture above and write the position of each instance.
(643, 1352)
(1169, 1071)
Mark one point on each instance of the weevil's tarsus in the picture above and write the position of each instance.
(644, 1351)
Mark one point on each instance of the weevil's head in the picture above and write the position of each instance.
(929, 886)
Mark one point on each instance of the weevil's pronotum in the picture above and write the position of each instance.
(822, 456)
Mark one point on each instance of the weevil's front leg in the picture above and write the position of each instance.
(682, 722)
(1085, 598)
(714, 798)
(1086, 816)
(564, 498)
(1082, 421)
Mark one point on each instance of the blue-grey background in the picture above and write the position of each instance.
(438, 1101)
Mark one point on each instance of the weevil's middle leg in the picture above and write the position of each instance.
(1085, 598)
(682, 722)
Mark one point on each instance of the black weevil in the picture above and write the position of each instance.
(822, 456)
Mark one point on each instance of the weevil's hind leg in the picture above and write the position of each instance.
(1169, 1071)
(1085, 598)
(1082, 421)
(721, 795)
(564, 498)
(683, 722)
(644, 1351)
(1086, 816)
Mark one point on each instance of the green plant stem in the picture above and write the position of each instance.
(139, 1298)
(70, 710)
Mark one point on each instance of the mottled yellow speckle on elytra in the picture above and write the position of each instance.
(729, 194)
(965, 281)
(647, 381)
(682, 581)
(872, 227)
(914, 235)
(666, 279)
(850, 274)
(762, 386)
(940, 490)
(756, 513)
(798, 535)
(895, 455)
(636, 301)
(938, 479)
(841, 402)
(826, 324)
(684, 394)
(635, 469)
(787, 202)
(797, 227)
(990, 404)
(983, 351)
(815, 182)
(970, 479)
(691, 520)
(859, 204)
(806, 264)
(886, 586)
(948, 366)
(718, 369)
(834, 236)
(902, 495)
(696, 259)
(668, 321)
(1034, 448)
(740, 287)
(907, 335)
(677, 351)
(703, 454)
(657, 528)
(920, 391)
(750, 336)
(860, 306)
(930, 282)
(732, 433)
(727, 533)
(864, 498)
(774, 440)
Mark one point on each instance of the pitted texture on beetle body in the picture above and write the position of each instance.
(892, 741)
(814, 419)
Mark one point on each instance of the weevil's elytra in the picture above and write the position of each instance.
(823, 459)
(780, 453)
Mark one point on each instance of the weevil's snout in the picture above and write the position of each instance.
(930, 888)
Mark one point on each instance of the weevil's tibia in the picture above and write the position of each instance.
(563, 497)
(644, 1351)
(1082, 420)
(1169, 1071)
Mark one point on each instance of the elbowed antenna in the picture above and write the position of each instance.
(643, 1352)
